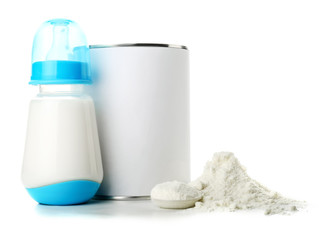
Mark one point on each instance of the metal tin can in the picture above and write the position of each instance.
(141, 96)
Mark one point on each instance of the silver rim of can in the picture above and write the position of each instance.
(140, 45)
(103, 197)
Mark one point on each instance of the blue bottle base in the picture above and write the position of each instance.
(65, 193)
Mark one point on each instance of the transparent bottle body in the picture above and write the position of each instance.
(62, 141)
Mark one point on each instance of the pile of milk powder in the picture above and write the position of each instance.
(225, 185)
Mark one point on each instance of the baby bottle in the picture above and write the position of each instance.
(62, 161)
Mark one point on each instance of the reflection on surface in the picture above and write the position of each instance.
(110, 208)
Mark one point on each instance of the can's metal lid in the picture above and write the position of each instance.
(140, 45)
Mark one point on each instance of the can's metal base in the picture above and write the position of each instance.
(122, 198)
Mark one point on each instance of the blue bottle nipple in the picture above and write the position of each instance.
(60, 54)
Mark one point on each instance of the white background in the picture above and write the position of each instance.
(258, 89)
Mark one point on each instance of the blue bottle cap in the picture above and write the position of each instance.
(60, 54)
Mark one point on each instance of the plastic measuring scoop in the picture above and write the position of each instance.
(175, 204)
(175, 195)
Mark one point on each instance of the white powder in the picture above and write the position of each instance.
(225, 185)
(174, 191)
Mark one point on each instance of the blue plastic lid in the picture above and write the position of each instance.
(60, 54)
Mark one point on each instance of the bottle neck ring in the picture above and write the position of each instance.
(61, 89)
